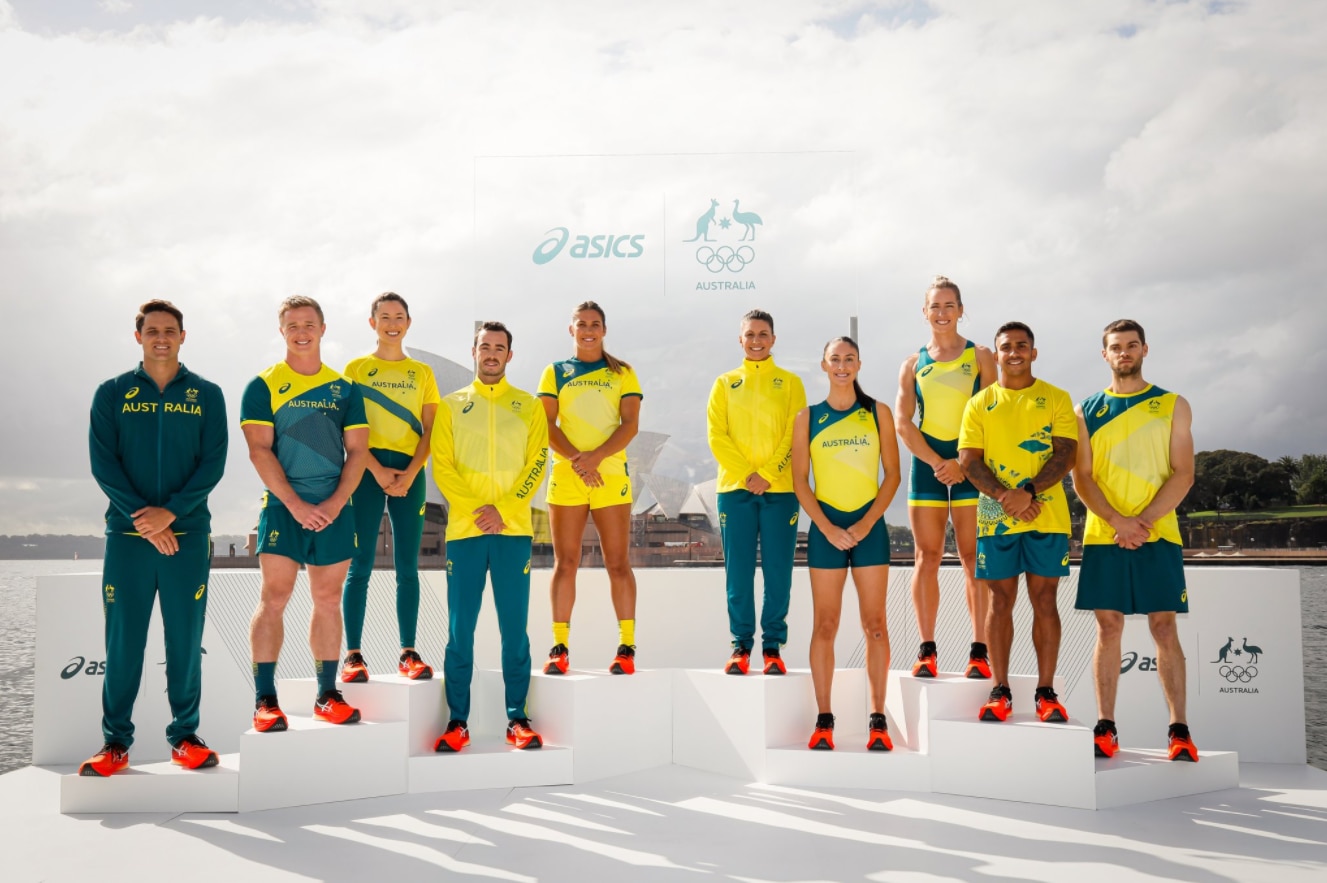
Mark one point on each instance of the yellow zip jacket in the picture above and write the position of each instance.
(750, 424)
(490, 444)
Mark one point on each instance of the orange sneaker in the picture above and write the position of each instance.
(822, 739)
(979, 667)
(774, 662)
(412, 667)
(877, 739)
(455, 738)
(1181, 743)
(333, 708)
(624, 663)
(521, 735)
(112, 758)
(268, 717)
(1105, 741)
(926, 666)
(192, 753)
(999, 706)
(557, 660)
(354, 670)
(1049, 708)
(739, 663)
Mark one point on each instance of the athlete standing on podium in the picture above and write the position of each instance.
(490, 443)
(937, 381)
(592, 402)
(749, 423)
(1017, 444)
(308, 439)
(846, 440)
(400, 400)
(1135, 464)
(157, 439)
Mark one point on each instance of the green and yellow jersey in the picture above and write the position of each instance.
(152, 447)
(1130, 438)
(943, 389)
(590, 405)
(309, 415)
(1013, 428)
(749, 423)
(490, 444)
(395, 393)
(845, 456)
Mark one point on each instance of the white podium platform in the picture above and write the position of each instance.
(489, 762)
(160, 787)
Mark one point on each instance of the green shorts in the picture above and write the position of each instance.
(1149, 579)
(873, 550)
(1030, 551)
(924, 489)
(280, 534)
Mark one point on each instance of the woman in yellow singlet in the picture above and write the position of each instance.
(845, 441)
(935, 383)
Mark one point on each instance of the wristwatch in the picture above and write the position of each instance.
(1026, 485)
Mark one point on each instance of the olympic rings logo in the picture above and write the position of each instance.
(725, 257)
(1238, 673)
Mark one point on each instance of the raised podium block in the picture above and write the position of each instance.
(419, 704)
(725, 723)
(317, 762)
(913, 702)
(160, 787)
(1143, 774)
(616, 723)
(849, 765)
(1018, 759)
(489, 762)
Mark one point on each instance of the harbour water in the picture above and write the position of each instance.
(18, 631)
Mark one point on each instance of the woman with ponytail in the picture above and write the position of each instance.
(845, 441)
(593, 405)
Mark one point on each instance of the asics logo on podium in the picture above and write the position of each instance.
(603, 245)
(82, 664)
(1131, 659)
(1237, 665)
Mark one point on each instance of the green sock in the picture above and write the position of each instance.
(326, 669)
(264, 679)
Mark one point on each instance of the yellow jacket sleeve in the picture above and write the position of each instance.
(731, 460)
(460, 496)
(520, 495)
(777, 465)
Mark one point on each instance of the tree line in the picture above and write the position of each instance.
(1238, 480)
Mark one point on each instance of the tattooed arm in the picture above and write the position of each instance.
(1017, 503)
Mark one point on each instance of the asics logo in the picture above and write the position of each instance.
(527, 567)
(468, 406)
(1064, 562)
(792, 520)
(285, 388)
(927, 370)
(624, 491)
(823, 418)
(991, 406)
(736, 385)
(1102, 412)
(201, 589)
(373, 372)
(132, 393)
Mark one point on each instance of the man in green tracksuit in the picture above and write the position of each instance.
(158, 446)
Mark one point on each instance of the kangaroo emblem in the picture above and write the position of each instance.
(1221, 655)
(703, 223)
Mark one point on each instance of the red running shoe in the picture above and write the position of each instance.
(999, 706)
(268, 717)
(774, 662)
(112, 758)
(354, 670)
(1181, 744)
(739, 663)
(521, 735)
(979, 668)
(1105, 741)
(1049, 708)
(455, 738)
(557, 660)
(926, 666)
(192, 753)
(333, 708)
(414, 668)
(822, 739)
(624, 663)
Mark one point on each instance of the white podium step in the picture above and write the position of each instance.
(1019, 759)
(489, 762)
(849, 765)
(420, 704)
(725, 723)
(155, 787)
(913, 702)
(615, 723)
(317, 762)
(1144, 774)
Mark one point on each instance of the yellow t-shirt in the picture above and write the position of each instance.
(590, 405)
(1013, 428)
(395, 393)
(1130, 437)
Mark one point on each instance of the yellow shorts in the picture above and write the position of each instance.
(565, 488)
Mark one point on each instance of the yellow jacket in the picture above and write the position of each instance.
(750, 424)
(490, 444)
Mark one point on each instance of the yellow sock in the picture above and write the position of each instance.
(626, 629)
(562, 633)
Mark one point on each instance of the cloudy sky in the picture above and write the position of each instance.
(1067, 164)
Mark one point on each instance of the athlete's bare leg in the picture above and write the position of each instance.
(267, 630)
(325, 582)
(567, 524)
(1000, 625)
(928, 535)
(826, 605)
(1106, 661)
(1170, 662)
(1045, 625)
(872, 587)
(614, 526)
(965, 537)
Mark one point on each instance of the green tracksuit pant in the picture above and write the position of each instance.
(469, 562)
(770, 519)
(133, 574)
(407, 517)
